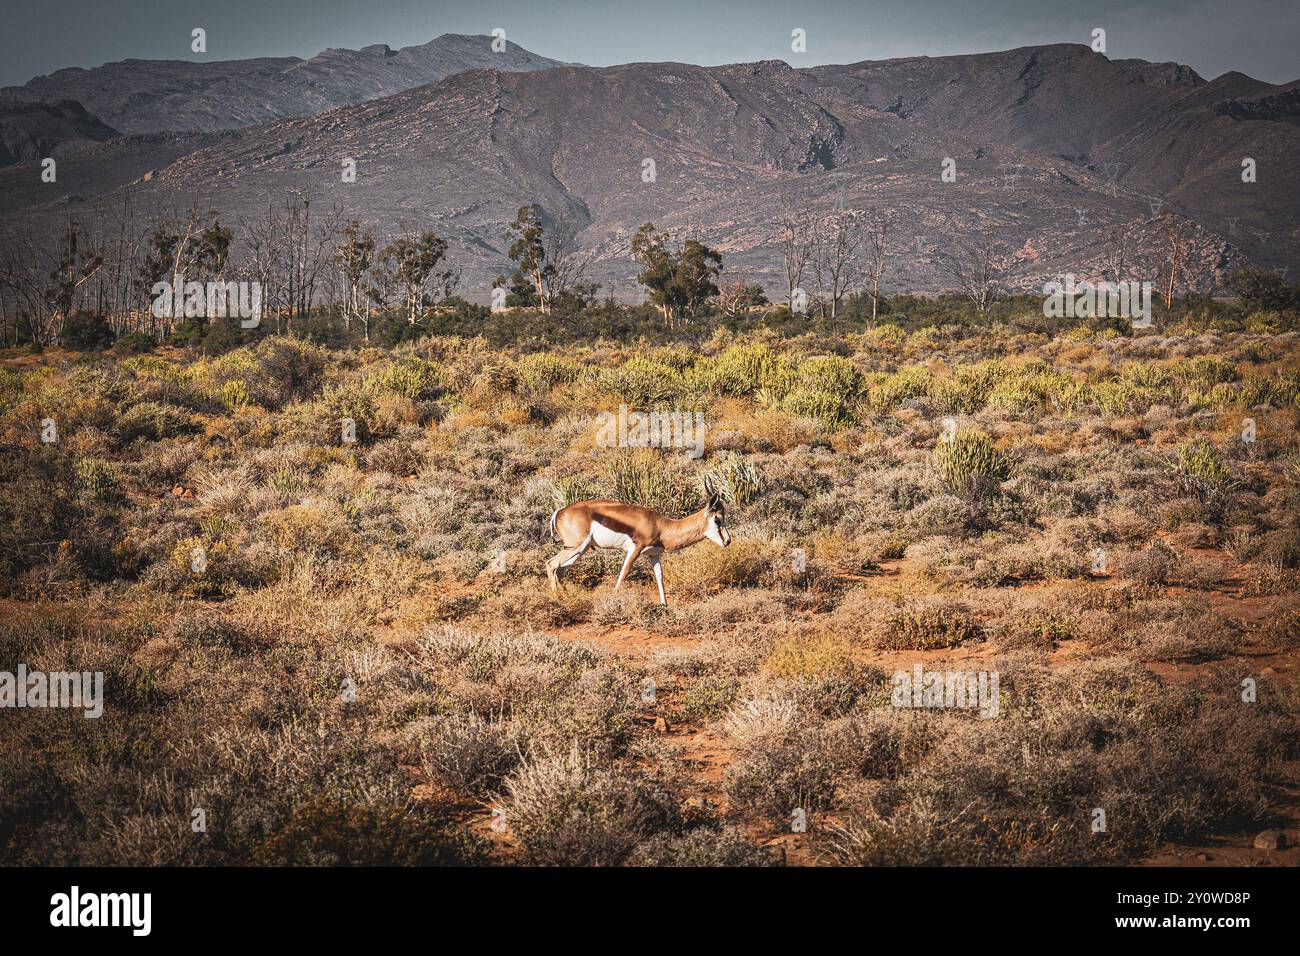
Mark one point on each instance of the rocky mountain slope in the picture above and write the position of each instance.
(1055, 149)
(29, 130)
(145, 96)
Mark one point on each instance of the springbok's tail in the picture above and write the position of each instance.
(555, 535)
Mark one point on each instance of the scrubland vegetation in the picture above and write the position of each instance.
(370, 667)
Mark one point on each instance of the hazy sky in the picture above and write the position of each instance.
(1258, 37)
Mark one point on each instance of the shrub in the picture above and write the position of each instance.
(643, 384)
(412, 377)
(86, 332)
(709, 695)
(235, 394)
(830, 373)
(1200, 471)
(1152, 565)
(930, 628)
(777, 780)
(468, 753)
(887, 336)
(393, 456)
(739, 480)
(970, 466)
(330, 832)
(821, 405)
(813, 655)
(745, 369)
(153, 421)
(912, 382)
(702, 846)
(646, 477)
(566, 812)
(96, 477)
(292, 366)
(134, 343)
(543, 371)
(705, 567)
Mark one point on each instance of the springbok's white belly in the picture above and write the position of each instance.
(608, 538)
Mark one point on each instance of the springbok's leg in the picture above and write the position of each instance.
(564, 560)
(633, 550)
(658, 570)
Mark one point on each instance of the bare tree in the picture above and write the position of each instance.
(796, 246)
(354, 254)
(837, 247)
(1174, 235)
(980, 267)
(877, 251)
(287, 254)
(265, 260)
(45, 275)
(1116, 257)
(24, 278)
(735, 296)
(116, 293)
(568, 264)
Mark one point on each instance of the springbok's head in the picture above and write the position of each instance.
(715, 526)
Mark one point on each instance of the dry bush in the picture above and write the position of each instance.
(567, 810)
(557, 692)
(702, 846)
(709, 695)
(333, 833)
(706, 569)
(466, 752)
(1164, 764)
(799, 655)
(783, 760)
(929, 627)
(1040, 628)
(1154, 564)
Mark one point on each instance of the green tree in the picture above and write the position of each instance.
(414, 265)
(520, 293)
(528, 249)
(1263, 290)
(680, 280)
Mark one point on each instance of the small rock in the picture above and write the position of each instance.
(661, 725)
(177, 491)
(1270, 840)
(1204, 857)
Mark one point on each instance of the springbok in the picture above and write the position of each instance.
(633, 530)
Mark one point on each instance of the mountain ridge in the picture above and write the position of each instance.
(143, 96)
(1055, 148)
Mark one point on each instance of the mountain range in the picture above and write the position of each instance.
(151, 96)
(1054, 149)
